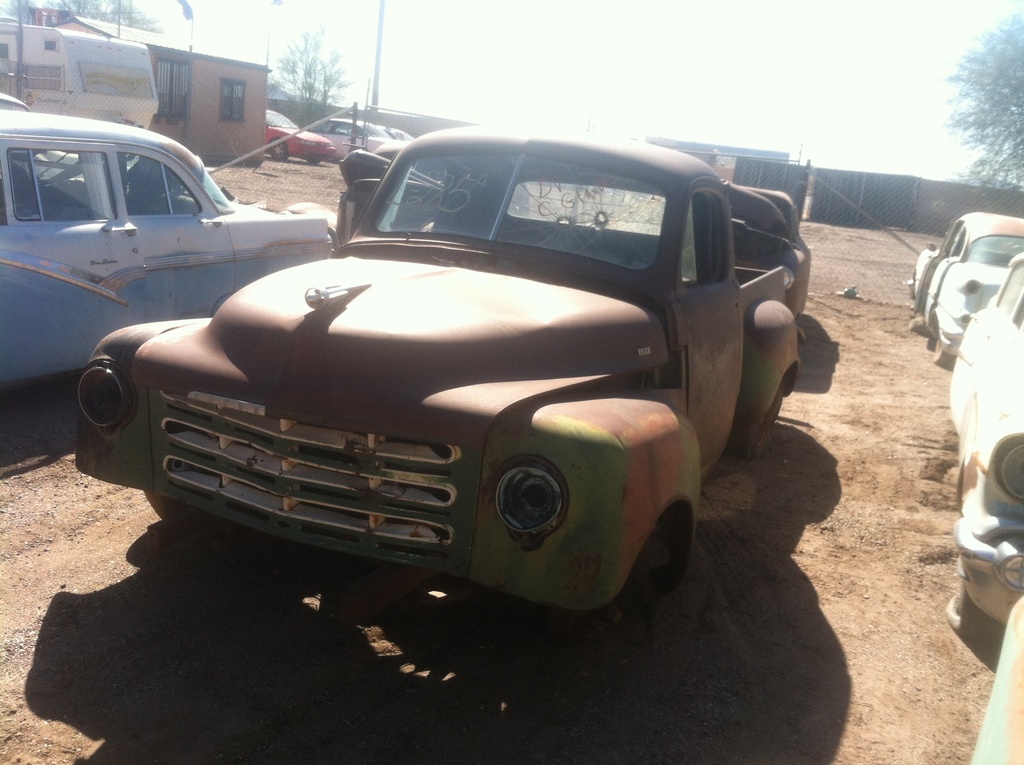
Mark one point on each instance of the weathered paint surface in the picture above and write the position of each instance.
(1001, 741)
(624, 460)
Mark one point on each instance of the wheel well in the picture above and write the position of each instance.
(677, 527)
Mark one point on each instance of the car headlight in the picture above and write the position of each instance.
(531, 497)
(1007, 466)
(105, 395)
(1010, 565)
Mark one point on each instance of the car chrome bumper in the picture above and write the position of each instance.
(978, 567)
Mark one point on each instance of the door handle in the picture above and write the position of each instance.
(128, 229)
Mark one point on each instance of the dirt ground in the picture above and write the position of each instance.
(810, 628)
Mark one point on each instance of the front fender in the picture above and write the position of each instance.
(123, 455)
(624, 460)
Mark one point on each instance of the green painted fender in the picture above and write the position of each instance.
(623, 461)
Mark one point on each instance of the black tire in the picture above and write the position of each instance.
(167, 508)
(313, 160)
(751, 439)
(969, 622)
(280, 152)
(942, 359)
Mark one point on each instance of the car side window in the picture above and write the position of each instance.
(60, 185)
(150, 188)
(958, 245)
(702, 256)
(1009, 301)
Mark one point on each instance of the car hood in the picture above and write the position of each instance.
(416, 349)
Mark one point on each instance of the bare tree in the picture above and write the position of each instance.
(989, 107)
(312, 76)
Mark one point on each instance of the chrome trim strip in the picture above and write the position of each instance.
(67, 274)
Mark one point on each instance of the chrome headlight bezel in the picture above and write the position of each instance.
(531, 497)
(1007, 466)
(105, 395)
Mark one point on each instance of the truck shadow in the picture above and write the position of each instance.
(819, 355)
(213, 652)
(37, 425)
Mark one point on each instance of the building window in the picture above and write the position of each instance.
(172, 86)
(232, 100)
(50, 45)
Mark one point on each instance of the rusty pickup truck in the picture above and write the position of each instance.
(529, 355)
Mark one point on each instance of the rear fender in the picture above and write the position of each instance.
(770, 362)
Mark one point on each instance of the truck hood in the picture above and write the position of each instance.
(414, 349)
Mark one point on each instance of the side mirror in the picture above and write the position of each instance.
(360, 165)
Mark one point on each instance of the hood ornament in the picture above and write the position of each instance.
(336, 296)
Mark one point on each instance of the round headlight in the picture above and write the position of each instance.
(104, 395)
(530, 498)
(1008, 463)
(1011, 567)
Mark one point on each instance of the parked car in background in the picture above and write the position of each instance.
(345, 135)
(987, 407)
(105, 225)
(956, 280)
(301, 144)
(12, 104)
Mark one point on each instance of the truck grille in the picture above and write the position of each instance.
(361, 492)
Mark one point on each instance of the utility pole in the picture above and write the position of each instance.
(375, 98)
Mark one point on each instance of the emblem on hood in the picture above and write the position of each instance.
(336, 296)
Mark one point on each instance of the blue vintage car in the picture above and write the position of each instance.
(104, 225)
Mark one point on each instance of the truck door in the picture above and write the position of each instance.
(710, 327)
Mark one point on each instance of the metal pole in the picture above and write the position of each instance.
(375, 100)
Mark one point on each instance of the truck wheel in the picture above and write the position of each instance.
(942, 359)
(753, 438)
(280, 152)
(167, 508)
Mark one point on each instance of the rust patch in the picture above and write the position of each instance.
(583, 572)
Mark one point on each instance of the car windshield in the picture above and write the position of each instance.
(280, 121)
(995, 250)
(567, 208)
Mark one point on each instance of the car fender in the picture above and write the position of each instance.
(623, 460)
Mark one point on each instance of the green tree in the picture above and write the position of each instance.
(312, 76)
(112, 11)
(989, 106)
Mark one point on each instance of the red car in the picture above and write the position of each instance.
(301, 144)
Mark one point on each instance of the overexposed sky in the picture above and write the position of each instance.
(853, 86)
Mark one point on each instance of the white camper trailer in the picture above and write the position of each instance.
(83, 75)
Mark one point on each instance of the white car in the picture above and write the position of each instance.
(105, 225)
(345, 137)
(958, 279)
(988, 412)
